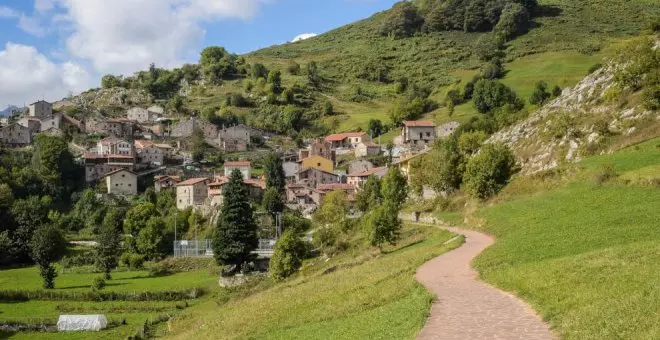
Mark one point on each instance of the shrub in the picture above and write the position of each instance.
(98, 283)
(491, 94)
(493, 70)
(489, 171)
(540, 94)
(290, 251)
(132, 260)
(513, 21)
(651, 96)
(606, 173)
(488, 47)
(403, 21)
(562, 125)
(293, 68)
(556, 91)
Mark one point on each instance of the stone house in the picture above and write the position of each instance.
(168, 150)
(191, 193)
(148, 153)
(317, 162)
(359, 165)
(347, 140)
(366, 149)
(313, 177)
(319, 148)
(122, 128)
(256, 189)
(140, 115)
(244, 167)
(165, 182)
(298, 194)
(40, 110)
(15, 135)
(156, 110)
(322, 190)
(358, 179)
(97, 166)
(115, 146)
(418, 132)
(186, 128)
(233, 145)
(34, 124)
(121, 182)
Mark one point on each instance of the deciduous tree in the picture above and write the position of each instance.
(47, 245)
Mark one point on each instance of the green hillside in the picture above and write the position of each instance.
(584, 254)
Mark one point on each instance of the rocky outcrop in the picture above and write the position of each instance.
(99, 98)
(580, 122)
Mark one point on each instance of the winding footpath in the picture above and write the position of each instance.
(469, 309)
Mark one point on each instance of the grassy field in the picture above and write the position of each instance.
(357, 295)
(133, 312)
(586, 256)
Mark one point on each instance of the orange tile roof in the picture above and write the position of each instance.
(419, 123)
(192, 181)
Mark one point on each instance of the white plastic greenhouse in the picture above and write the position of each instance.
(73, 323)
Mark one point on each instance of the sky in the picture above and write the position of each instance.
(51, 48)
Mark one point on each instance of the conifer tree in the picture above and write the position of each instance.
(235, 235)
(109, 243)
(274, 172)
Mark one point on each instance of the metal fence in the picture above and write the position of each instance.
(203, 248)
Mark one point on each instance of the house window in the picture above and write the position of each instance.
(428, 134)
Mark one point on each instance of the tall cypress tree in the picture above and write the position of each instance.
(274, 172)
(235, 235)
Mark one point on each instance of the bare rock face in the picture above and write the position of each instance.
(116, 97)
(572, 125)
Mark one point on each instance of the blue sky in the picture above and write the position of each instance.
(49, 48)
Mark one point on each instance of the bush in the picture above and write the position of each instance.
(540, 94)
(651, 96)
(489, 171)
(491, 94)
(513, 21)
(49, 295)
(132, 260)
(606, 173)
(403, 21)
(493, 70)
(98, 283)
(488, 47)
(290, 251)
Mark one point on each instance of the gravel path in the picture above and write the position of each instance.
(468, 308)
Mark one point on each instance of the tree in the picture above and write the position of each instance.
(109, 81)
(375, 127)
(28, 214)
(235, 235)
(489, 171)
(493, 70)
(47, 246)
(272, 201)
(293, 68)
(197, 144)
(470, 142)
(403, 21)
(138, 216)
(217, 64)
(153, 241)
(514, 21)
(333, 210)
(290, 251)
(540, 94)
(556, 91)
(369, 195)
(313, 77)
(491, 94)
(445, 165)
(394, 187)
(55, 165)
(384, 224)
(108, 248)
(274, 172)
(275, 79)
(259, 71)
(487, 47)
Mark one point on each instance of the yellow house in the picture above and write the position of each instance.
(318, 162)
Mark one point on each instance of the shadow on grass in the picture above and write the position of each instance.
(6, 335)
(387, 252)
(89, 286)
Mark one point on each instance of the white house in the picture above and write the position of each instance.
(244, 167)
(347, 140)
(114, 146)
(140, 115)
(358, 179)
(418, 132)
(366, 149)
(191, 193)
(121, 182)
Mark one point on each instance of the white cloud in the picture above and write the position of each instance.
(123, 36)
(26, 75)
(301, 37)
(31, 25)
(8, 13)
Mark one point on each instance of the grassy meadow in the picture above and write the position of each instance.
(585, 255)
(358, 294)
(134, 313)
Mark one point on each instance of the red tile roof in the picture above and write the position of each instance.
(257, 183)
(238, 163)
(192, 181)
(419, 123)
(338, 137)
(162, 178)
(141, 144)
(367, 173)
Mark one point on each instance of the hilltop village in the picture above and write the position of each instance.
(146, 144)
